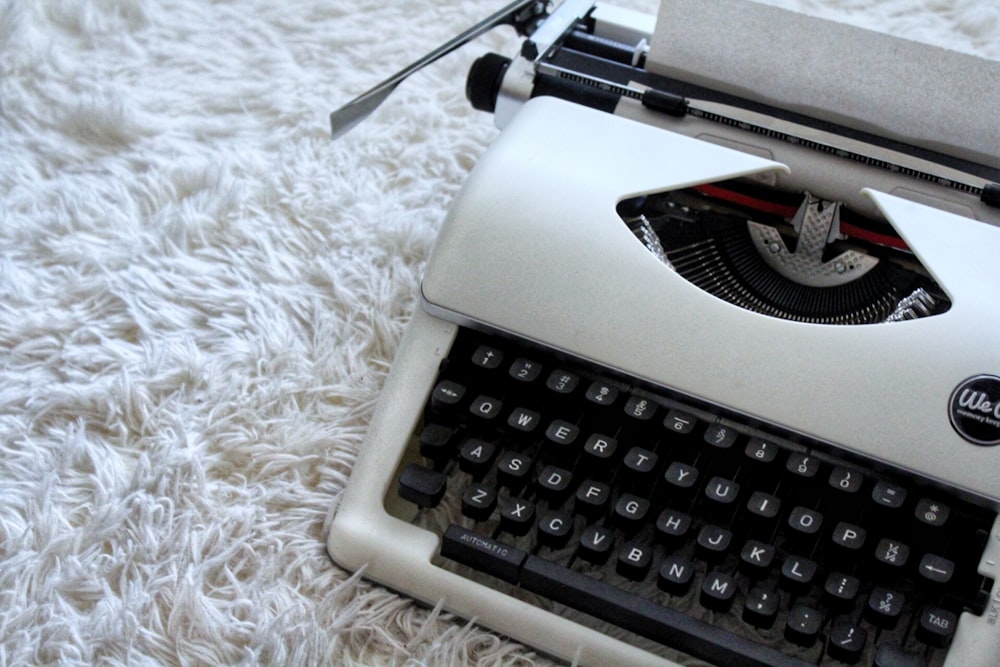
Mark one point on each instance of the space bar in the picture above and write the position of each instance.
(646, 618)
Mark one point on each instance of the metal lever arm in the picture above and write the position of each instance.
(522, 14)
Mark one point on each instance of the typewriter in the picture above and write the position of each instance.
(707, 368)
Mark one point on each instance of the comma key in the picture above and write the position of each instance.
(761, 607)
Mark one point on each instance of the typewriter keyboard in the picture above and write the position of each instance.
(667, 523)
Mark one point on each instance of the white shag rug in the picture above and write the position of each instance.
(200, 296)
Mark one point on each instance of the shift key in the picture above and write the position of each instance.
(482, 553)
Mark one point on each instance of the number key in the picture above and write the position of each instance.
(525, 370)
(679, 422)
(761, 450)
(846, 480)
(802, 465)
(487, 357)
(720, 436)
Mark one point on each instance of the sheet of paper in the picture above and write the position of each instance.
(924, 95)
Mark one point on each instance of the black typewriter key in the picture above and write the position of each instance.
(487, 356)
(892, 554)
(678, 422)
(935, 569)
(717, 591)
(482, 553)
(680, 479)
(638, 470)
(602, 393)
(634, 560)
(936, 626)
(525, 370)
(760, 609)
(485, 408)
(599, 453)
(523, 422)
(553, 485)
(513, 469)
(476, 456)
(761, 462)
(847, 495)
(602, 406)
(762, 511)
(841, 590)
(636, 613)
(888, 496)
(562, 383)
(554, 530)
(479, 501)
(893, 655)
(849, 538)
(638, 414)
(596, 545)
(446, 395)
(803, 625)
(797, 574)
(630, 512)
(847, 642)
(671, 527)
(802, 479)
(756, 559)
(721, 493)
(559, 438)
(846, 480)
(437, 443)
(720, 436)
(761, 451)
(802, 465)
(804, 523)
(675, 575)
(932, 513)
(640, 461)
(640, 408)
(712, 543)
(592, 499)
(517, 516)
(421, 485)
(884, 607)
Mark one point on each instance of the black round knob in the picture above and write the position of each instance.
(483, 83)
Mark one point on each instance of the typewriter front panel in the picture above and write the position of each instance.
(538, 234)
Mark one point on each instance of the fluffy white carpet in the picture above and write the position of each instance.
(200, 295)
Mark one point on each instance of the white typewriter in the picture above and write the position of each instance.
(707, 368)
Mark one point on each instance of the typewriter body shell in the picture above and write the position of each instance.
(534, 247)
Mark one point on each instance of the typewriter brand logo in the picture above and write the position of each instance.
(974, 410)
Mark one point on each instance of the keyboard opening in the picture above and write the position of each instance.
(792, 256)
(678, 528)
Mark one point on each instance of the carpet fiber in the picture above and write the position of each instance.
(200, 296)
